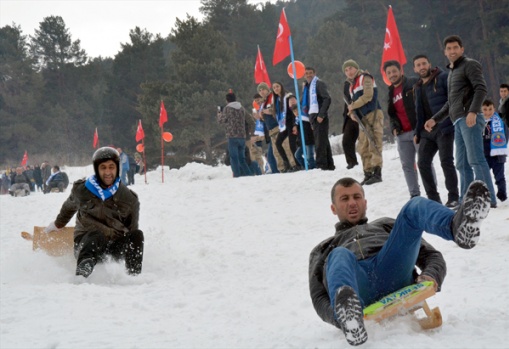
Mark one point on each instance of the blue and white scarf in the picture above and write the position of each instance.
(95, 188)
(313, 100)
(259, 128)
(498, 142)
(281, 115)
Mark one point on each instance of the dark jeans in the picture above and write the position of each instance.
(496, 164)
(429, 145)
(323, 150)
(350, 135)
(271, 159)
(236, 148)
(279, 146)
(95, 245)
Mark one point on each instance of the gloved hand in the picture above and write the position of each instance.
(51, 227)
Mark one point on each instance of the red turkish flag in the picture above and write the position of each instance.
(393, 49)
(96, 139)
(282, 48)
(163, 117)
(260, 73)
(139, 132)
(25, 159)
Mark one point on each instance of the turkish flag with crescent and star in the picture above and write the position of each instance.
(393, 49)
(261, 74)
(282, 48)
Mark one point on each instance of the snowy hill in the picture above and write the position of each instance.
(225, 266)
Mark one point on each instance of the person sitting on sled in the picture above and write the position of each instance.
(107, 220)
(365, 261)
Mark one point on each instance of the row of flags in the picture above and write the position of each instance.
(392, 49)
(140, 134)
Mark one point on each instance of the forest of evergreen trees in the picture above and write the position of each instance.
(53, 96)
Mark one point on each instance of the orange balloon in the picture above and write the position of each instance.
(140, 148)
(300, 69)
(167, 136)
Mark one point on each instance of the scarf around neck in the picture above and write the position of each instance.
(498, 141)
(313, 100)
(104, 194)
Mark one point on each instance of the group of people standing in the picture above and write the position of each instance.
(275, 120)
(435, 112)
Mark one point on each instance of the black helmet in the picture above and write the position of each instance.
(104, 154)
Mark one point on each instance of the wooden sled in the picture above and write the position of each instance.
(54, 243)
(407, 300)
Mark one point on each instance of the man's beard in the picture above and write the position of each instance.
(428, 73)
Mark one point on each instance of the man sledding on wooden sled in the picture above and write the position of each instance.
(364, 262)
(107, 221)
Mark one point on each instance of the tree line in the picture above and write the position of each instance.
(53, 96)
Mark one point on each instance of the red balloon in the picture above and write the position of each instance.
(140, 148)
(300, 69)
(167, 136)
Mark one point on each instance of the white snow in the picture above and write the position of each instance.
(226, 266)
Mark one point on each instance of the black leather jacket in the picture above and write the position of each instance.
(364, 240)
(466, 90)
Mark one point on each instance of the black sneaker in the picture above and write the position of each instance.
(466, 223)
(452, 204)
(85, 267)
(348, 310)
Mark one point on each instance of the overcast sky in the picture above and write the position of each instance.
(101, 25)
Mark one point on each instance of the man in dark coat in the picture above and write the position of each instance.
(466, 91)
(430, 97)
(364, 261)
(107, 221)
(315, 103)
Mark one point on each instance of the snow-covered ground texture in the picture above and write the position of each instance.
(226, 266)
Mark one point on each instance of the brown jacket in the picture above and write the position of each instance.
(114, 217)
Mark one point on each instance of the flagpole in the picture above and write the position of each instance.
(162, 155)
(301, 126)
(144, 159)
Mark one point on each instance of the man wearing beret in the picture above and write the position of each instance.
(364, 94)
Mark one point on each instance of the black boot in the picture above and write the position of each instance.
(348, 311)
(367, 176)
(473, 210)
(376, 177)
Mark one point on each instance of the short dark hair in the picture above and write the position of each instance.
(419, 56)
(487, 102)
(311, 68)
(346, 182)
(230, 97)
(504, 86)
(257, 95)
(56, 168)
(392, 63)
(453, 38)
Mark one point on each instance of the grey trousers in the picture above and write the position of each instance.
(407, 154)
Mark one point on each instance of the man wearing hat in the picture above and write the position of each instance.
(364, 94)
(107, 220)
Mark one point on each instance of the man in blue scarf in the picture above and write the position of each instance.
(107, 220)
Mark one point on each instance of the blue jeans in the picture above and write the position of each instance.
(236, 147)
(123, 175)
(393, 266)
(271, 159)
(470, 158)
(310, 152)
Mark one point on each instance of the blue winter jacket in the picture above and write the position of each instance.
(436, 93)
